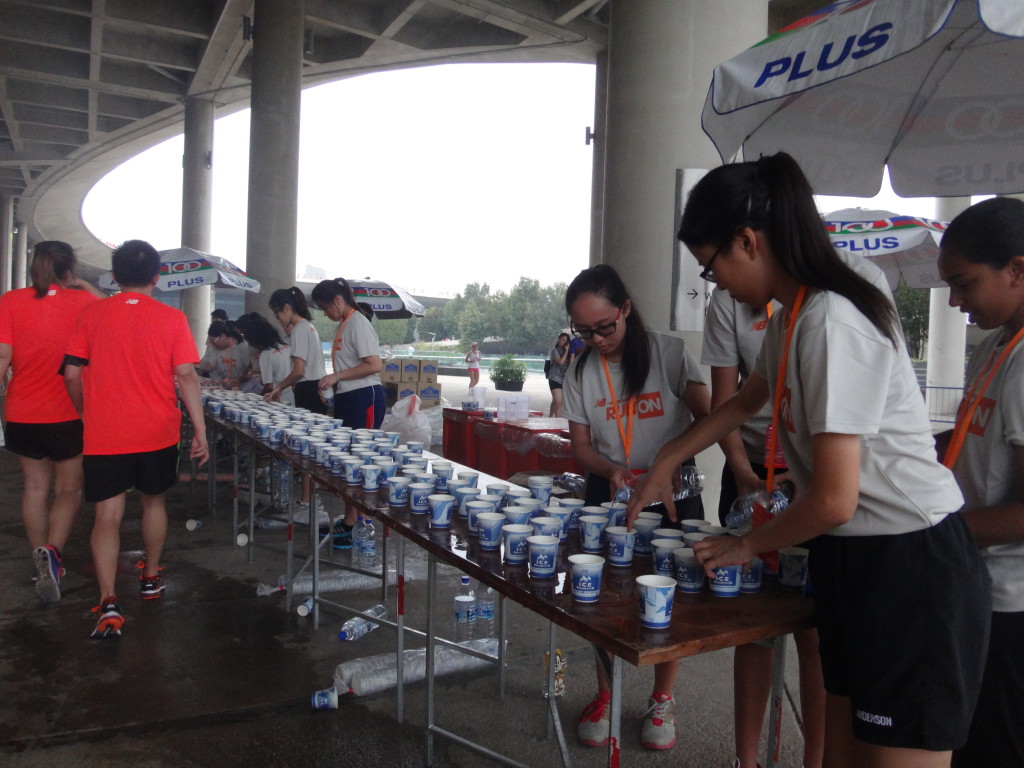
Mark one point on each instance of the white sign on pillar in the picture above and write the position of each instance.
(690, 294)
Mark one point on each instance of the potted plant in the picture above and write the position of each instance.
(508, 374)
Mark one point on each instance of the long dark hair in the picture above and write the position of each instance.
(294, 298)
(604, 281)
(326, 291)
(258, 331)
(773, 195)
(52, 262)
(990, 232)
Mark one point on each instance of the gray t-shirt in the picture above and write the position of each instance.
(305, 344)
(557, 372)
(845, 377)
(661, 413)
(733, 334)
(358, 340)
(275, 365)
(986, 469)
(231, 362)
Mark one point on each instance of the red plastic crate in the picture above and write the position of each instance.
(459, 442)
(491, 456)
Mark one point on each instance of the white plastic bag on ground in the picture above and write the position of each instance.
(408, 421)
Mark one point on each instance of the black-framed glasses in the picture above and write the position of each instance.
(707, 273)
(601, 330)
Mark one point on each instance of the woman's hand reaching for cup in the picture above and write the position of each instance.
(656, 487)
(716, 551)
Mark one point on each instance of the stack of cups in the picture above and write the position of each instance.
(540, 487)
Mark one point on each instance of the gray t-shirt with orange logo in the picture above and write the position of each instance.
(661, 413)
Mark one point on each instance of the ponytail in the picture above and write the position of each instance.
(52, 262)
(294, 298)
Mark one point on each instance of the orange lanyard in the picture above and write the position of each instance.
(965, 413)
(780, 381)
(336, 346)
(626, 435)
(768, 309)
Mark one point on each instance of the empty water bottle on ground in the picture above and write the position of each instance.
(744, 509)
(464, 613)
(485, 605)
(689, 482)
(357, 626)
(364, 541)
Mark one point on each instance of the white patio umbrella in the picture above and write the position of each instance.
(387, 300)
(933, 88)
(182, 268)
(903, 246)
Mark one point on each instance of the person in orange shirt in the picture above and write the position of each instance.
(130, 413)
(43, 429)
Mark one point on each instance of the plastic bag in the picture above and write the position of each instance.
(435, 417)
(408, 421)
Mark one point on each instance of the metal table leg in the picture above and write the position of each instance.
(400, 618)
(431, 578)
(778, 690)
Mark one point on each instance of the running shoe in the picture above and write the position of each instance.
(110, 621)
(47, 561)
(659, 728)
(594, 726)
(342, 535)
(151, 587)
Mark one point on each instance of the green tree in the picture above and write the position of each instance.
(474, 325)
(912, 304)
(391, 331)
(433, 322)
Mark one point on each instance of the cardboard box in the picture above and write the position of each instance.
(410, 370)
(428, 371)
(429, 394)
(392, 371)
(405, 389)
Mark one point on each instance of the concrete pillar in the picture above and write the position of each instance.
(6, 241)
(661, 54)
(19, 264)
(599, 143)
(271, 232)
(947, 335)
(197, 206)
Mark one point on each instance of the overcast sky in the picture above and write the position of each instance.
(429, 177)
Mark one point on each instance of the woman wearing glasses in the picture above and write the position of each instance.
(625, 395)
(901, 598)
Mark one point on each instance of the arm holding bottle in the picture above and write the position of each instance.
(593, 462)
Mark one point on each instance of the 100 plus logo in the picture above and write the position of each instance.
(804, 64)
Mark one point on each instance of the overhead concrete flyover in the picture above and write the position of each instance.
(87, 84)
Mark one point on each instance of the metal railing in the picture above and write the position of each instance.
(942, 403)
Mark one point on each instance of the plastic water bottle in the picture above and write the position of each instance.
(570, 481)
(364, 541)
(744, 508)
(485, 612)
(357, 626)
(690, 482)
(464, 613)
(284, 480)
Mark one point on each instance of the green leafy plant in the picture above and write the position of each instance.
(508, 370)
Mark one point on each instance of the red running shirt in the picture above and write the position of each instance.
(38, 329)
(133, 344)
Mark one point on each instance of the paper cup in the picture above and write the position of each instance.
(543, 556)
(693, 538)
(472, 477)
(415, 446)
(454, 482)
(474, 509)
(489, 525)
(497, 489)
(592, 532)
(713, 530)
(619, 544)
(440, 509)
(371, 477)
(656, 595)
(536, 506)
(644, 527)
(517, 549)
(547, 526)
(540, 492)
(463, 496)
(516, 515)
(418, 497)
(585, 571)
(398, 491)
(689, 572)
(444, 471)
(388, 469)
(616, 512)
(750, 580)
(325, 699)
(793, 568)
(667, 533)
(563, 514)
(518, 495)
(664, 556)
(575, 505)
(726, 581)
(691, 526)
(491, 499)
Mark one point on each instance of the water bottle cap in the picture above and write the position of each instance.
(465, 581)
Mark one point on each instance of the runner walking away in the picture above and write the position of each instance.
(473, 365)
(628, 392)
(982, 260)
(135, 348)
(42, 427)
(901, 600)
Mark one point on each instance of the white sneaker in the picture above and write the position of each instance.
(659, 728)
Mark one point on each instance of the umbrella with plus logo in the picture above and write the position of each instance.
(931, 88)
(182, 268)
(387, 300)
(902, 246)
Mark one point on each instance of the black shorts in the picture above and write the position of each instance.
(150, 472)
(997, 733)
(308, 396)
(56, 441)
(903, 623)
(553, 385)
(362, 408)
